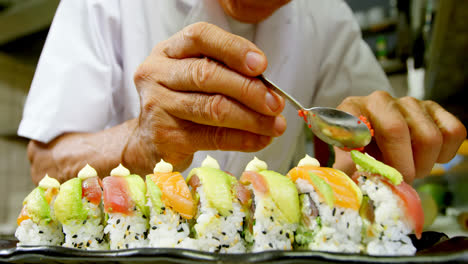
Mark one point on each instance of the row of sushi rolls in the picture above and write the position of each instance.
(312, 208)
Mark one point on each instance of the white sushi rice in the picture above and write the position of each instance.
(168, 229)
(339, 229)
(217, 233)
(127, 231)
(388, 235)
(87, 234)
(43, 234)
(270, 230)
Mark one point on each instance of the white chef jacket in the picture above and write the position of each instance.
(84, 79)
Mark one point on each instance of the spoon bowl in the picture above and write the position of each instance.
(333, 126)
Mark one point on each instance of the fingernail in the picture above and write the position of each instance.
(254, 61)
(280, 125)
(272, 102)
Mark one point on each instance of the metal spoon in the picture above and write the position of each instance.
(333, 126)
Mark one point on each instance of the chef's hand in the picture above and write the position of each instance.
(410, 135)
(198, 91)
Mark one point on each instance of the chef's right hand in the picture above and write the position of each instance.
(198, 91)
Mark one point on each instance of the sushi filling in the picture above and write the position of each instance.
(168, 229)
(388, 234)
(47, 234)
(217, 233)
(127, 231)
(87, 234)
(326, 228)
(270, 231)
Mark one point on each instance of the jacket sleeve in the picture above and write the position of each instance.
(77, 72)
(347, 67)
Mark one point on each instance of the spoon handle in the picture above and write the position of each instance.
(278, 90)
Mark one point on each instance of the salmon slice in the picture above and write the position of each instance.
(117, 196)
(413, 208)
(175, 193)
(256, 179)
(347, 194)
(92, 190)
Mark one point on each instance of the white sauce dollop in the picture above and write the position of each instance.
(87, 172)
(308, 161)
(49, 183)
(120, 171)
(256, 165)
(163, 167)
(210, 162)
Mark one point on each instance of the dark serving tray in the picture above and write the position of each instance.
(433, 247)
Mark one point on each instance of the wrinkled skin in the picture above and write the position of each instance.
(410, 134)
(198, 91)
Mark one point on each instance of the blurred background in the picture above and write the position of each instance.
(421, 44)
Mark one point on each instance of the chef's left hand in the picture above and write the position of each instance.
(410, 135)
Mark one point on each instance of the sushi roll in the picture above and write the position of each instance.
(171, 205)
(330, 203)
(391, 209)
(36, 223)
(78, 207)
(220, 214)
(274, 208)
(125, 206)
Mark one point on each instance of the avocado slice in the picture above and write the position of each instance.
(137, 189)
(369, 164)
(154, 194)
(68, 204)
(37, 207)
(323, 188)
(217, 187)
(284, 194)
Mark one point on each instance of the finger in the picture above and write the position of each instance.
(391, 133)
(220, 111)
(201, 137)
(453, 131)
(208, 76)
(425, 135)
(206, 40)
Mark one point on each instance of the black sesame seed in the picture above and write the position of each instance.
(223, 233)
(136, 237)
(272, 219)
(287, 235)
(231, 211)
(118, 221)
(347, 224)
(270, 244)
(126, 245)
(144, 216)
(334, 211)
(225, 246)
(342, 213)
(75, 236)
(376, 188)
(88, 244)
(264, 232)
(41, 232)
(84, 222)
(125, 236)
(134, 208)
(215, 238)
(281, 232)
(128, 227)
(180, 229)
(163, 208)
(154, 227)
